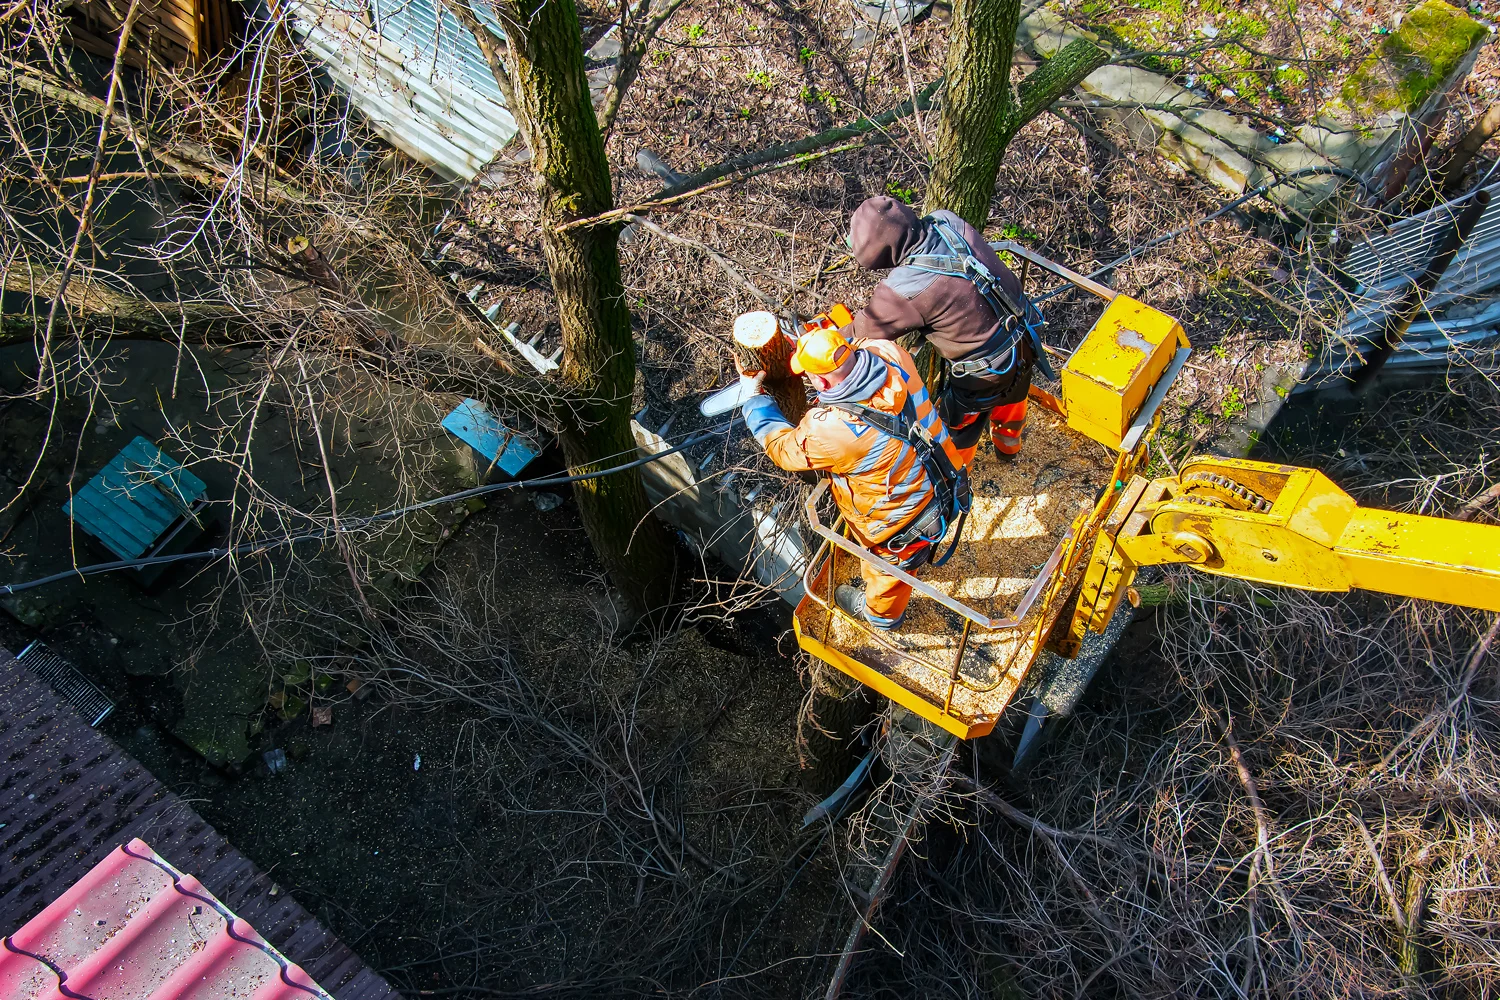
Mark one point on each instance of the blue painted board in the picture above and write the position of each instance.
(481, 430)
(134, 499)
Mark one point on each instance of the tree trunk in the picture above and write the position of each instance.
(558, 123)
(1473, 141)
(982, 111)
(763, 347)
(976, 102)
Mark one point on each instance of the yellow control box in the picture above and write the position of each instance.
(1107, 380)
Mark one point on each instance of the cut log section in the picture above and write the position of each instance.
(761, 346)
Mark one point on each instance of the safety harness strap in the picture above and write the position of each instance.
(953, 495)
(1017, 319)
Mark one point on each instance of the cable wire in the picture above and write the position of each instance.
(1223, 209)
(272, 544)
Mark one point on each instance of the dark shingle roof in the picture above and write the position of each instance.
(69, 796)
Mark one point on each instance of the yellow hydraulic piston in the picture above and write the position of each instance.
(1282, 525)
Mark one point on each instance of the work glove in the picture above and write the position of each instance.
(739, 366)
(753, 381)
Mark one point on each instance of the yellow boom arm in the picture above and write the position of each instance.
(1287, 526)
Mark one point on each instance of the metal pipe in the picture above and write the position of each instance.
(1072, 277)
(958, 660)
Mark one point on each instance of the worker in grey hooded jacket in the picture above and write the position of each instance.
(993, 354)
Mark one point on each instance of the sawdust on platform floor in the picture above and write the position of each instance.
(1022, 510)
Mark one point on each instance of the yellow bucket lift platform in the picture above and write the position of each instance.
(976, 627)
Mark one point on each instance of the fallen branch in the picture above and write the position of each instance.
(1409, 956)
(99, 310)
(1264, 861)
(1437, 715)
(779, 157)
(734, 273)
(1398, 914)
(1471, 509)
(618, 214)
(829, 137)
(985, 797)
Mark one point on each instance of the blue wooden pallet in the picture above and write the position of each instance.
(481, 430)
(135, 499)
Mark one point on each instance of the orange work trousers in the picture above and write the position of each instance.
(1006, 424)
(886, 597)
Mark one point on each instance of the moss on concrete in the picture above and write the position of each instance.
(219, 698)
(1412, 62)
(1169, 25)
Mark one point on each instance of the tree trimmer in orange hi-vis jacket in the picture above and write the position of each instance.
(896, 476)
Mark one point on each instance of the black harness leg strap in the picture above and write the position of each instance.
(953, 546)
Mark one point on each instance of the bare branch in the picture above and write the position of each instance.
(865, 131)
(489, 45)
(632, 50)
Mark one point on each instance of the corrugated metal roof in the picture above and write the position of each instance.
(415, 73)
(69, 796)
(1385, 265)
(1460, 321)
(136, 928)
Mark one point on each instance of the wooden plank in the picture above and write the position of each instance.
(187, 486)
(180, 31)
(121, 505)
(186, 7)
(82, 38)
(143, 523)
(211, 29)
(160, 24)
(125, 538)
(169, 16)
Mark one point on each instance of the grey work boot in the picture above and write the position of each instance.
(852, 601)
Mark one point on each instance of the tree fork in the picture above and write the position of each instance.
(982, 111)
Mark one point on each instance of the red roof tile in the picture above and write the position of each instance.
(135, 928)
(69, 797)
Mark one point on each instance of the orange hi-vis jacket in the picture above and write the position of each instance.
(877, 480)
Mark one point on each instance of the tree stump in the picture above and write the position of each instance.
(761, 346)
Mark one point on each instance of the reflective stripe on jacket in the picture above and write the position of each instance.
(877, 481)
